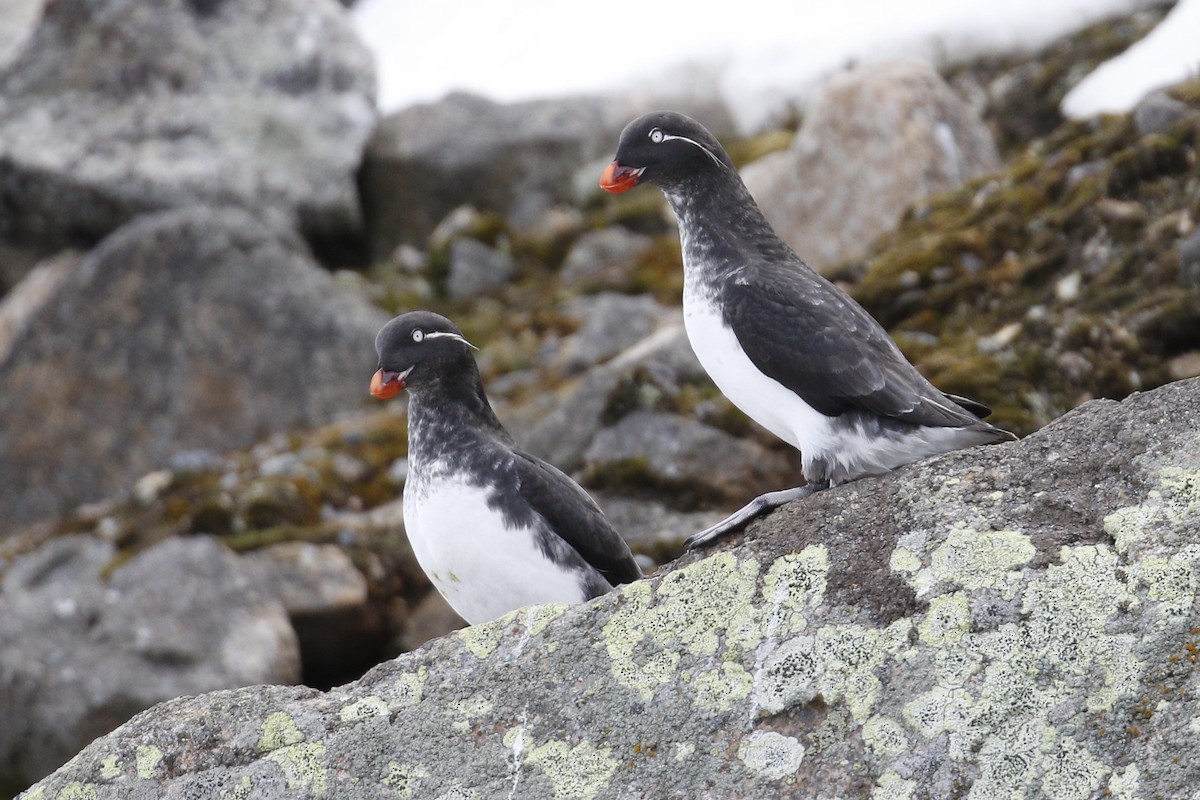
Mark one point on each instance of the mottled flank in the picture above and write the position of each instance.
(1038, 636)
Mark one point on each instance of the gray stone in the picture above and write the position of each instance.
(609, 324)
(476, 269)
(264, 104)
(863, 642)
(81, 653)
(879, 138)
(605, 258)
(192, 329)
(559, 426)
(653, 528)
(1189, 260)
(1158, 112)
(516, 160)
(17, 20)
(680, 454)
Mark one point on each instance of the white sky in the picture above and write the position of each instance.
(758, 54)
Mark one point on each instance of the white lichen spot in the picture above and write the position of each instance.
(981, 559)
(407, 689)
(939, 710)
(110, 767)
(147, 758)
(403, 779)
(682, 751)
(848, 657)
(718, 689)
(884, 737)
(904, 561)
(366, 708)
(279, 730)
(36, 793)
(303, 767)
(1170, 582)
(575, 773)
(1126, 784)
(770, 755)
(891, 786)
(788, 677)
(947, 620)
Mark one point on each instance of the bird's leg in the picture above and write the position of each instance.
(756, 507)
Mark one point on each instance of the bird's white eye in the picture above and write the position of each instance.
(418, 335)
(656, 136)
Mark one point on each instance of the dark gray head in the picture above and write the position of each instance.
(421, 348)
(668, 150)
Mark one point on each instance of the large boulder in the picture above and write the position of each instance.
(517, 160)
(189, 329)
(82, 651)
(879, 138)
(1016, 621)
(114, 109)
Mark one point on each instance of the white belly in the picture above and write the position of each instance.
(483, 569)
(828, 451)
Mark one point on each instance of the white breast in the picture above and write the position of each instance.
(482, 568)
(763, 399)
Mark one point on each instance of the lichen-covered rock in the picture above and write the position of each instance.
(1017, 621)
(879, 137)
(265, 105)
(189, 329)
(81, 651)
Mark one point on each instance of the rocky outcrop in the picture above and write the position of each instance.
(1017, 620)
(82, 651)
(878, 138)
(112, 110)
(193, 329)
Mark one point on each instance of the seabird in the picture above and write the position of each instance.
(494, 528)
(795, 353)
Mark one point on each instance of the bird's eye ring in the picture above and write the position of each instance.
(418, 335)
(656, 136)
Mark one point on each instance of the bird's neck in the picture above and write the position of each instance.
(448, 416)
(721, 228)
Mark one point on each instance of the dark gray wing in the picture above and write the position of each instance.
(575, 518)
(808, 335)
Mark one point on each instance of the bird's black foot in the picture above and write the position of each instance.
(755, 508)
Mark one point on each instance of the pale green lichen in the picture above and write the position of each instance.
(77, 791)
(303, 767)
(543, 615)
(575, 773)
(366, 708)
(947, 620)
(849, 656)
(718, 689)
(694, 607)
(683, 750)
(240, 792)
(110, 767)
(891, 786)
(1172, 506)
(483, 639)
(403, 779)
(884, 737)
(770, 755)
(1071, 772)
(467, 709)
(904, 560)
(278, 730)
(982, 559)
(793, 586)
(788, 676)
(147, 758)
(1125, 784)
(408, 688)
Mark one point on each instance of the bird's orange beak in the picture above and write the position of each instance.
(386, 384)
(617, 178)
